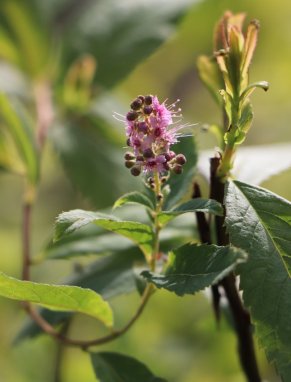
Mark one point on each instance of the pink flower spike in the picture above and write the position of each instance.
(148, 127)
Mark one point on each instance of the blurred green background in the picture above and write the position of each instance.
(140, 47)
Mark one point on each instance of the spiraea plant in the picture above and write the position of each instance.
(242, 233)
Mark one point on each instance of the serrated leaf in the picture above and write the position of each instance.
(115, 367)
(134, 198)
(57, 297)
(194, 267)
(110, 276)
(139, 233)
(259, 222)
(194, 205)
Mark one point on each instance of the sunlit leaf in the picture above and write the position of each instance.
(134, 198)
(139, 233)
(259, 222)
(57, 297)
(110, 276)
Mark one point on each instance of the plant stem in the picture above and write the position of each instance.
(26, 240)
(157, 227)
(49, 329)
(241, 316)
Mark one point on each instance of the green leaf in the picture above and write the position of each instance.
(180, 185)
(115, 367)
(93, 164)
(25, 29)
(57, 297)
(194, 267)
(210, 76)
(259, 222)
(139, 233)
(134, 198)
(110, 276)
(194, 205)
(89, 28)
(249, 89)
(19, 126)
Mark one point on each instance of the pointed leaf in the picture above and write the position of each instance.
(17, 124)
(194, 205)
(134, 198)
(115, 367)
(110, 276)
(57, 297)
(194, 267)
(210, 76)
(260, 223)
(139, 233)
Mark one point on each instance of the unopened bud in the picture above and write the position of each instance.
(131, 115)
(178, 169)
(148, 100)
(148, 153)
(139, 158)
(148, 109)
(135, 171)
(129, 163)
(181, 159)
(129, 156)
(170, 155)
(136, 104)
(143, 127)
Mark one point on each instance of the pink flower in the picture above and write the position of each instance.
(150, 132)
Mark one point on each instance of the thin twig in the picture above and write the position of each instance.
(49, 329)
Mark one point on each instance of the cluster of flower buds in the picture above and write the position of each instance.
(150, 134)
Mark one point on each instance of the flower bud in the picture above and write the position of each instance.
(178, 169)
(148, 109)
(141, 97)
(180, 159)
(139, 158)
(170, 155)
(129, 156)
(131, 115)
(148, 100)
(129, 163)
(148, 153)
(135, 171)
(143, 127)
(136, 104)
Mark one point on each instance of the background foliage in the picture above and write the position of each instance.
(147, 49)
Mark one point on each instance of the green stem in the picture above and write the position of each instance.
(157, 227)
